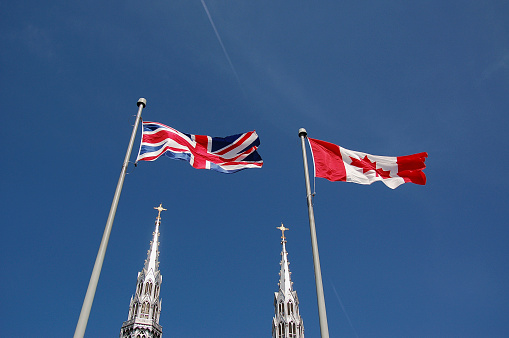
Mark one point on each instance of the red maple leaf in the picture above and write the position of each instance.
(367, 165)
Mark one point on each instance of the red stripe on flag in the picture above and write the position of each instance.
(162, 135)
(410, 168)
(328, 160)
(161, 153)
(200, 152)
(235, 144)
(412, 162)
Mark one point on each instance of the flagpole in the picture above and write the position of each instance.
(322, 314)
(94, 278)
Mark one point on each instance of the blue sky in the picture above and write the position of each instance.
(391, 78)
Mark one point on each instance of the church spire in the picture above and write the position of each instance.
(145, 305)
(287, 321)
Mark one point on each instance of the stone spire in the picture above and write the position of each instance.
(145, 305)
(287, 322)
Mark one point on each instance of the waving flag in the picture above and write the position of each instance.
(336, 163)
(224, 154)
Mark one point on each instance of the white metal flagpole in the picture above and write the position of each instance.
(94, 278)
(322, 314)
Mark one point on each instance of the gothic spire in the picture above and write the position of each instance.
(287, 321)
(145, 305)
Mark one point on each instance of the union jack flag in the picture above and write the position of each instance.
(224, 154)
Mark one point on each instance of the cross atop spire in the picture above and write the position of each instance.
(160, 208)
(282, 228)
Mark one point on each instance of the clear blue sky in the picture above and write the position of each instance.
(391, 78)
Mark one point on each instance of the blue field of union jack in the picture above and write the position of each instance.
(224, 154)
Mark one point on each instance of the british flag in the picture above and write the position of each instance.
(224, 154)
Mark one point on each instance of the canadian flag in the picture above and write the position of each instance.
(336, 163)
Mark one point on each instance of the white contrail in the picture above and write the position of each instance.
(220, 41)
(344, 311)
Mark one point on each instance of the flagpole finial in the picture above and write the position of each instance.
(282, 228)
(303, 132)
(142, 101)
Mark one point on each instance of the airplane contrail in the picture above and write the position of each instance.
(220, 41)
(344, 310)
